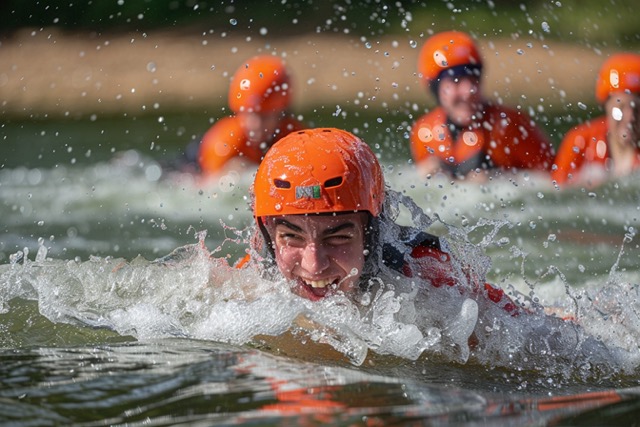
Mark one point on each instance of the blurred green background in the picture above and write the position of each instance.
(597, 25)
(592, 22)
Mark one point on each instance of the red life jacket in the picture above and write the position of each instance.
(503, 138)
(583, 145)
(435, 264)
(226, 139)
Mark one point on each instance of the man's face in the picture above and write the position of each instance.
(460, 97)
(323, 254)
(623, 119)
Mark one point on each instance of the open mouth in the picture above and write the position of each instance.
(317, 289)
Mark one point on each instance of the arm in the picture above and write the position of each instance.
(430, 261)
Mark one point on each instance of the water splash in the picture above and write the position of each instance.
(193, 293)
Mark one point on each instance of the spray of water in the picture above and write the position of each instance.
(193, 293)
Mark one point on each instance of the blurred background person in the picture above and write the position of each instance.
(609, 145)
(259, 97)
(466, 135)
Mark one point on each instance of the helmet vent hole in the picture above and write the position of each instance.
(333, 182)
(280, 183)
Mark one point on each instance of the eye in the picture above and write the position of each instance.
(288, 238)
(340, 238)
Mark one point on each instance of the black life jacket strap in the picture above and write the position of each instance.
(394, 257)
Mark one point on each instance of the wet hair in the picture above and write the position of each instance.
(373, 251)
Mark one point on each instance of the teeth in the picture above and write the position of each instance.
(319, 283)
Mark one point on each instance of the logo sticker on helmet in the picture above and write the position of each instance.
(308, 192)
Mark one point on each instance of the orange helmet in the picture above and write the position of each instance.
(447, 50)
(621, 72)
(316, 171)
(262, 84)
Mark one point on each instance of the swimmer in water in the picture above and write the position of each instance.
(607, 146)
(466, 136)
(319, 204)
(260, 96)
(327, 224)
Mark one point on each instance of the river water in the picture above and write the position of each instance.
(118, 305)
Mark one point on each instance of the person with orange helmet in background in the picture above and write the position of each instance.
(466, 133)
(259, 97)
(609, 145)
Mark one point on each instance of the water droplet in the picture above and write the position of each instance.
(545, 27)
(582, 106)
(616, 113)
(520, 52)
(233, 21)
(413, 43)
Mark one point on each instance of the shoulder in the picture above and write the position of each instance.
(223, 141)
(229, 127)
(425, 129)
(584, 134)
(425, 244)
(416, 243)
(435, 116)
(499, 113)
(594, 127)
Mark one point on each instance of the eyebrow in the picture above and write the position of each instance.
(348, 225)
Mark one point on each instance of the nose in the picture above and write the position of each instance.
(467, 88)
(314, 259)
